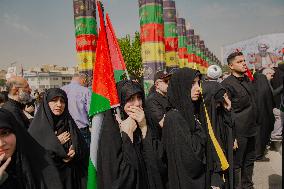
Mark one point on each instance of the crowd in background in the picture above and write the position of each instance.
(191, 131)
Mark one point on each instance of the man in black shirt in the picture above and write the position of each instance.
(244, 118)
(157, 101)
(19, 94)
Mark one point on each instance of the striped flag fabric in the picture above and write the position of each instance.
(182, 49)
(86, 35)
(170, 32)
(104, 96)
(152, 39)
(117, 60)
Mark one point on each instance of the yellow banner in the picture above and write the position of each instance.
(171, 59)
(86, 60)
(153, 52)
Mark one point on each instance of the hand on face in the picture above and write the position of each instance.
(136, 113)
(4, 165)
(7, 143)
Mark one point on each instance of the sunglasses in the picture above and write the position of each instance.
(166, 81)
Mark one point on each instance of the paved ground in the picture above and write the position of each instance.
(268, 175)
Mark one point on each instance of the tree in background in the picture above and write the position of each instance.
(131, 52)
(2, 82)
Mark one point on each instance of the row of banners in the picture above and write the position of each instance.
(166, 42)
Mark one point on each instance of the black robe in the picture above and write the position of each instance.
(120, 163)
(222, 125)
(31, 166)
(265, 104)
(16, 108)
(184, 134)
(43, 128)
(277, 84)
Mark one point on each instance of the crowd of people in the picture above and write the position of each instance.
(191, 131)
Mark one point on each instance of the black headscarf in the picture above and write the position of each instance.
(213, 92)
(179, 94)
(46, 126)
(126, 89)
(31, 167)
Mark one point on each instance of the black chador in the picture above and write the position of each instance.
(220, 118)
(265, 117)
(45, 128)
(120, 161)
(30, 166)
(184, 134)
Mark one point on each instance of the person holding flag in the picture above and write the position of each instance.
(120, 152)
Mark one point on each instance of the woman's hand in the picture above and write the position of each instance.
(137, 113)
(64, 137)
(4, 165)
(227, 102)
(71, 154)
(128, 126)
(235, 147)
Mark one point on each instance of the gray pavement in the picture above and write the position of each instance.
(268, 175)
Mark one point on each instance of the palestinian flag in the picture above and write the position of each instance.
(104, 96)
(115, 52)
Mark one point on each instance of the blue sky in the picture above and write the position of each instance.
(34, 32)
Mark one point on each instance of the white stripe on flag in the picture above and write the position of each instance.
(95, 134)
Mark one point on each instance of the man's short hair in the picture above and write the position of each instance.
(233, 55)
(11, 83)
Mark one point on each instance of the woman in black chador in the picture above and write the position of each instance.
(55, 130)
(24, 164)
(184, 132)
(218, 106)
(125, 143)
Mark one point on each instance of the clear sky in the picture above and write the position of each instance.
(35, 32)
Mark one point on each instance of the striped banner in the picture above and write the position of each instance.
(189, 46)
(171, 37)
(152, 39)
(86, 35)
(196, 51)
(182, 47)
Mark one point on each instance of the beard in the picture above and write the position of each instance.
(24, 97)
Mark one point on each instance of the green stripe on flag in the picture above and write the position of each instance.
(92, 176)
(85, 26)
(151, 14)
(98, 104)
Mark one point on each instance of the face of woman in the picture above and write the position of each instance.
(57, 105)
(135, 100)
(195, 89)
(7, 143)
